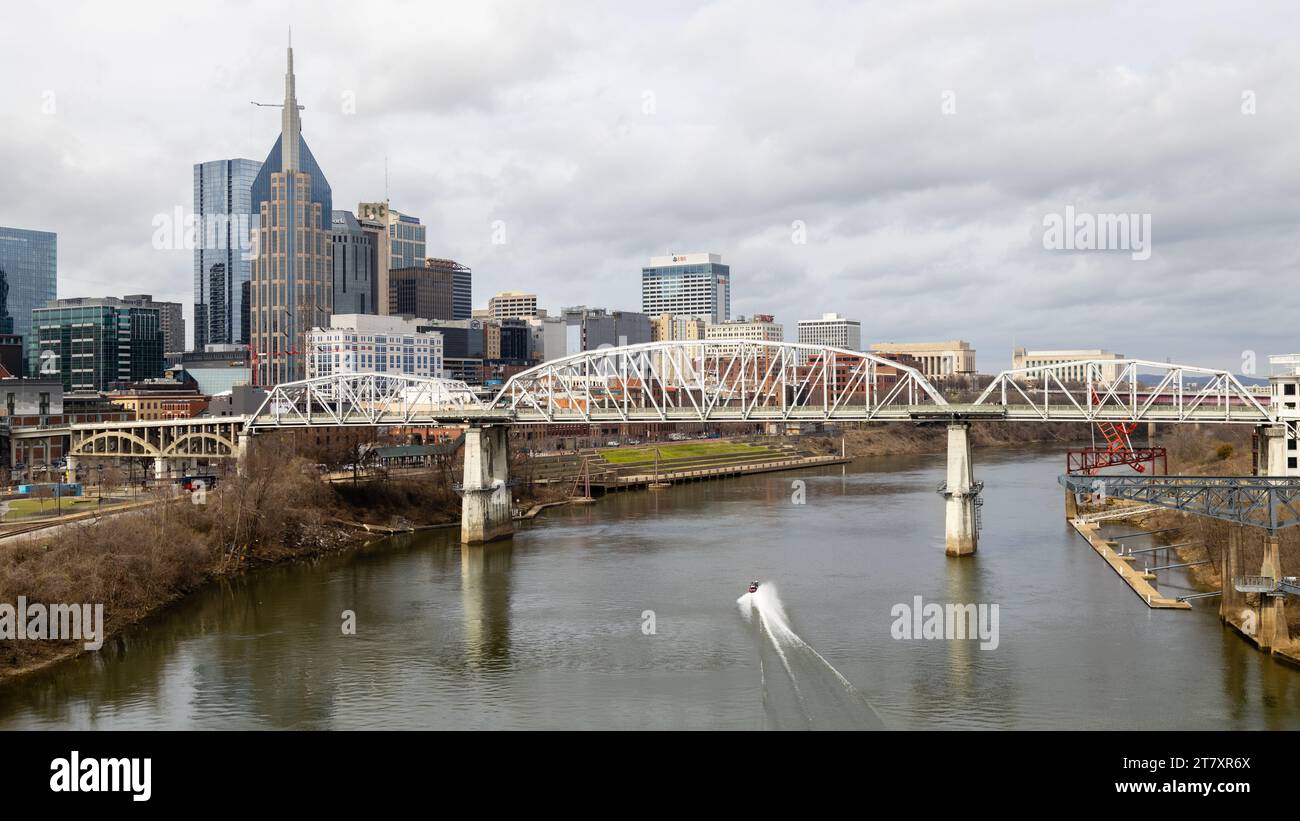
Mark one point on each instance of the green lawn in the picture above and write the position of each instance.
(20, 508)
(680, 450)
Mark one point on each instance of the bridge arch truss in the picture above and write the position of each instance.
(1115, 390)
(716, 380)
(364, 399)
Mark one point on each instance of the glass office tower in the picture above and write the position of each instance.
(29, 261)
(92, 343)
(408, 241)
(687, 285)
(222, 264)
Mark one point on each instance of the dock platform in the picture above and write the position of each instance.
(1140, 582)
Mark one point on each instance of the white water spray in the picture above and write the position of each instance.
(806, 692)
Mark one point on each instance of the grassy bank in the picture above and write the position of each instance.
(686, 450)
(136, 563)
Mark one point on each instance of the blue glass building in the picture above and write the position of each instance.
(29, 260)
(687, 285)
(222, 265)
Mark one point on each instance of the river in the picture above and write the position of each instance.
(632, 613)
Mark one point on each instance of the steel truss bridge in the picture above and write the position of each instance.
(700, 381)
(1270, 502)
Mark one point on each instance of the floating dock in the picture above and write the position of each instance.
(1141, 583)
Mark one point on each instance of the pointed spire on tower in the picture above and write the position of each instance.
(291, 123)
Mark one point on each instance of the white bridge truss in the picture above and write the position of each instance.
(1123, 390)
(365, 399)
(716, 381)
(698, 381)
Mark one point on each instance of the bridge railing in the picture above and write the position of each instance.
(715, 380)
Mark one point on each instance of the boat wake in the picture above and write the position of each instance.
(801, 690)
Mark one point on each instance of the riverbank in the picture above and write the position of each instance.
(1219, 452)
(902, 438)
(139, 563)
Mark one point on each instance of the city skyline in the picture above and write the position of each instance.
(919, 175)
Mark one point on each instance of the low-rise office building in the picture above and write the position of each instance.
(670, 328)
(937, 360)
(512, 305)
(369, 343)
(1076, 370)
(762, 327)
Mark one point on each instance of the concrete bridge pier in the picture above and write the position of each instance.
(70, 473)
(1231, 602)
(1272, 627)
(485, 512)
(961, 493)
(241, 453)
(1270, 455)
(161, 470)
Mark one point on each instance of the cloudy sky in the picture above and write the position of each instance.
(895, 162)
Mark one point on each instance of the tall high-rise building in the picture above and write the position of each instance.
(292, 281)
(691, 285)
(354, 263)
(423, 291)
(223, 211)
(92, 343)
(171, 316)
(399, 243)
(462, 292)
(832, 330)
(29, 260)
(408, 239)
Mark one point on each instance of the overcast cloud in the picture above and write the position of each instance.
(601, 134)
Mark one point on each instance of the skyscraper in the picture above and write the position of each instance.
(399, 243)
(354, 262)
(171, 317)
(424, 291)
(223, 211)
(291, 287)
(29, 260)
(690, 285)
(462, 296)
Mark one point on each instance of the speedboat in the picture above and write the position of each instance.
(753, 587)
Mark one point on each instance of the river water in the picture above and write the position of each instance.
(633, 613)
